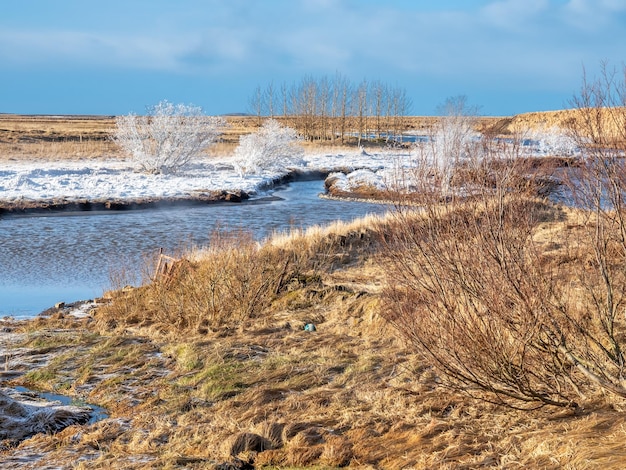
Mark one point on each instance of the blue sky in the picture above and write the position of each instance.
(119, 56)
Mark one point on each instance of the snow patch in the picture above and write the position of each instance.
(117, 179)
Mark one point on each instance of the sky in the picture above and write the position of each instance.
(121, 56)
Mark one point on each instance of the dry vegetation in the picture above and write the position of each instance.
(186, 388)
(46, 137)
(484, 329)
(88, 137)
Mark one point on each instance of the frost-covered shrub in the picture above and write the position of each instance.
(451, 140)
(272, 147)
(358, 180)
(553, 141)
(168, 137)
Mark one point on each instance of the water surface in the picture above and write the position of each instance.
(46, 259)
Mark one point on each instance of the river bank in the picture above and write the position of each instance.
(31, 186)
(254, 354)
(60, 256)
(274, 393)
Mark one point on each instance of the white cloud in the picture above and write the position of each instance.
(594, 16)
(513, 44)
(514, 14)
(217, 46)
(61, 47)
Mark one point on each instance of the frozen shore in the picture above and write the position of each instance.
(30, 186)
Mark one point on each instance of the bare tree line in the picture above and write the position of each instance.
(334, 108)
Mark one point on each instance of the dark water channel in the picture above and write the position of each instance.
(68, 257)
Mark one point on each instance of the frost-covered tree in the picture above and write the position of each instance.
(168, 137)
(272, 147)
(451, 140)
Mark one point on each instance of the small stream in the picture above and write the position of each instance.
(65, 257)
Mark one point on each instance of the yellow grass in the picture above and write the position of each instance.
(182, 395)
(349, 393)
(87, 137)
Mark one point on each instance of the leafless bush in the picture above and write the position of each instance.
(499, 314)
(467, 287)
(597, 185)
(232, 281)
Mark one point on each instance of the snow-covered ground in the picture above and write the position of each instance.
(115, 180)
(31, 182)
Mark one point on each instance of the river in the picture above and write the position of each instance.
(65, 257)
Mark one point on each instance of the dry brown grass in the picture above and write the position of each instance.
(46, 137)
(182, 394)
(609, 121)
(88, 137)
(349, 393)
(236, 279)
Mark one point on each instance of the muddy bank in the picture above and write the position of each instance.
(24, 412)
(62, 205)
(195, 198)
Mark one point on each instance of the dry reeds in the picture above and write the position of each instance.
(236, 279)
(348, 394)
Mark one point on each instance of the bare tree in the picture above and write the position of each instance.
(400, 106)
(284, 94)
(379, 96)
(344, 92)
(169, 137)
(323, 106)
(362, 110)
(305, 106)
(256, 103)
(269, 99)
(330, 108)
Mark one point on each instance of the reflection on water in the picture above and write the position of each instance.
(48, 259)
(97, 412)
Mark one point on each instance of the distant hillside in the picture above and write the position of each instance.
(609, 121)
(561, 118)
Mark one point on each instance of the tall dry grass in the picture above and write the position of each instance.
(236, 279)
(351, 393)
(64, 150)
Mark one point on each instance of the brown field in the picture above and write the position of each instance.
(86, 137)
(52, 137)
